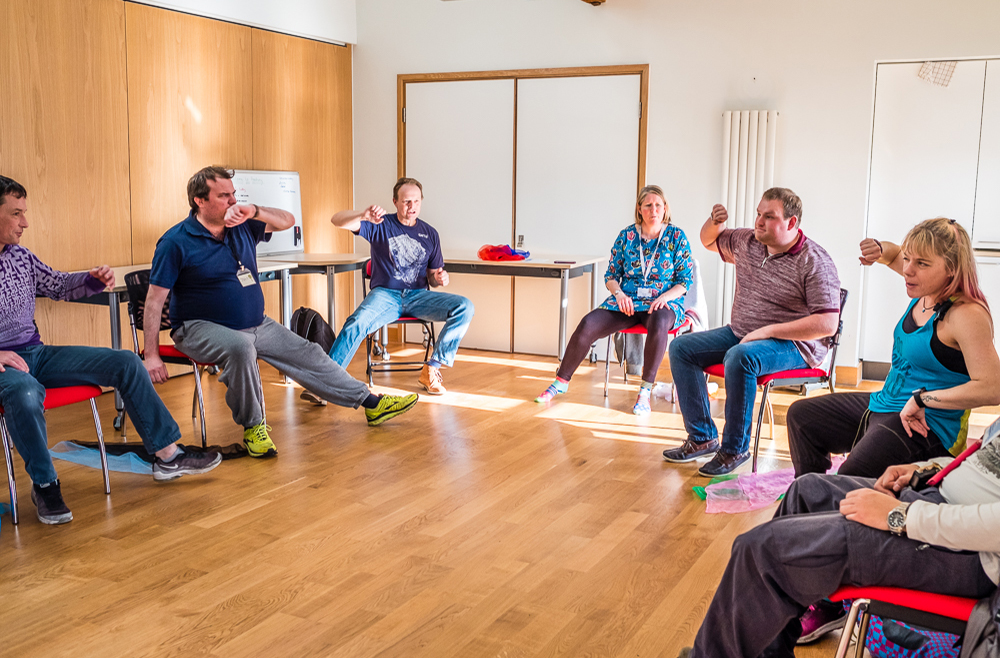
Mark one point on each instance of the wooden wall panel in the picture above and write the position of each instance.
(302, 122)
(189, 105)
(63, 135)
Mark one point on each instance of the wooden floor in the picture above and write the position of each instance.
(478, 524)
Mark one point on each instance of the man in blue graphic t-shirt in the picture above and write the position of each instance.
(406, 259)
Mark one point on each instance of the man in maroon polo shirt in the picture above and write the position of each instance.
(786, 306)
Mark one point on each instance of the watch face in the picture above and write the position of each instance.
(896, 520)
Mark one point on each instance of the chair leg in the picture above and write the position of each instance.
(852, 618)
(200, 398)
(368, 359)
(607, 366)
(770, 418)
(760, 422)
(5, 440)
(100, 443)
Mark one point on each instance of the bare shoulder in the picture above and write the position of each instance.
(967, 318)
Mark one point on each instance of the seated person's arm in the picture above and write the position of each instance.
(153, 311)
(884, 252)
(970, 326)
(811, 327)
(351, 219)
(714, 227)
(957, 527)
(275, 219)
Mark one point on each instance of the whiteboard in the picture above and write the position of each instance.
(460, 146)
(274, 189)
(577, 175)
(986, 225)
(925, 151)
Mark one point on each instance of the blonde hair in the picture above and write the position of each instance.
(643, 193)
(946, 238)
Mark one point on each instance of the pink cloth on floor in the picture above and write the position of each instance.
(752, 491)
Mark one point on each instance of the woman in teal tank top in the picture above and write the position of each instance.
(943, 365)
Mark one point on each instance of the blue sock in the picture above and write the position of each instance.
(180, 451)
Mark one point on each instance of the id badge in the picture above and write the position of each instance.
(645, 293)
(246, 277)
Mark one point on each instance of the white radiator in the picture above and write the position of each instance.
(747, 170)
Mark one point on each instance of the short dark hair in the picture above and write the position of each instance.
(791, 204)
(11, 187)
(406, 181)
(198, 185)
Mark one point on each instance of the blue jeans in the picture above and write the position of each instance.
(383, 305)
(690, 354)
(22, 395)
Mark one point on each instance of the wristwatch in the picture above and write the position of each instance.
(897, 519)
(256, 211)
(916, 397)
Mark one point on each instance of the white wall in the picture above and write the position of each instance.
(813, 62)
(323, 20)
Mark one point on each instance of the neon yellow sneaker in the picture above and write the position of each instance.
(390, 406)
(258, 443)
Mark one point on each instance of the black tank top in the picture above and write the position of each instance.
(949, 357)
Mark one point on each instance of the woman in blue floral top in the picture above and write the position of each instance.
(648, 275)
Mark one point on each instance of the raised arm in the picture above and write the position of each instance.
(881, 251)
(351, 219)
(274, 218)
(153, 311)
(714, 227)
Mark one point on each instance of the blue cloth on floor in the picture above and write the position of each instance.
(127, 463)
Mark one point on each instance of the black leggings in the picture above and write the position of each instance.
(600, 323)
(838, 423)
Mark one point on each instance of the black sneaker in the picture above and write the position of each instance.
(49, 504)
(189, 463)
(723, 463)
(691, 450)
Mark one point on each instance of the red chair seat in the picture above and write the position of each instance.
(641, 329)
(719, 370)
(955, 607)
(171, 352)
(64, 395)
(60, 397)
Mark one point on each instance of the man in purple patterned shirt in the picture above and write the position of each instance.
(27, 367)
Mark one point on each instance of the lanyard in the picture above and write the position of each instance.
(232, 248)
(652, 257)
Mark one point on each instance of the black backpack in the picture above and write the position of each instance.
(310, 325)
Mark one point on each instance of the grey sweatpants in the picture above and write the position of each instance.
(236, 352)
(807, 551)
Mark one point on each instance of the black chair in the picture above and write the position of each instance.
(138, 287)
(371, 345)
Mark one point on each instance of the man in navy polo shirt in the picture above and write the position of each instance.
(217, 311)
(406, 258)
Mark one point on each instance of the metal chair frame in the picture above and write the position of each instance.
(138, 287)
(372, 344)
(6, 440)
(639, 329)
(938, 612)
(791, 378)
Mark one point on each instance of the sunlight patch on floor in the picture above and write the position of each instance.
(456, 399)
(540, 366)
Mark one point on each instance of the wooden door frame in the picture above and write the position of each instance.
(642, 70)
